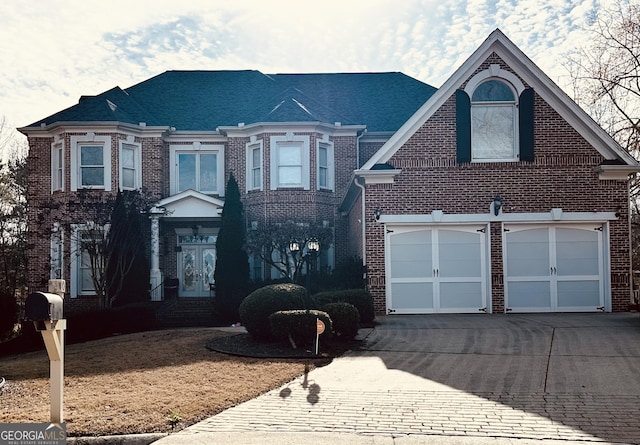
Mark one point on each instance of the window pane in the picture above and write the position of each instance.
(256, 178)
(322, 155)
(493, 91)
(128, 157)
(91, 155)
(290, 175)
(322, 177)
(290, 155)
(92, 176)
(186, 171)
(256, 158)
(128, 178)
(493, 132)
(208, 170)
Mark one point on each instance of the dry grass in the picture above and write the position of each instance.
(132, 383)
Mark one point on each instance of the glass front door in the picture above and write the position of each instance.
(196, 265)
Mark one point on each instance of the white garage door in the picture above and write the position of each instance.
(553, 268)
(435, 269)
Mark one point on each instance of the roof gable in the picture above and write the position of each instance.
(191, 204)
(505, 49)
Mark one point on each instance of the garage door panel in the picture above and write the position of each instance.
(579, 294)
(459, 254)
(527, 253)
(411, 255)
(529, 295)
(412, 297)
(577, 252)
(461, 297)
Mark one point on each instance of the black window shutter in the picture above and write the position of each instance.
(463, 126)
(526, 125)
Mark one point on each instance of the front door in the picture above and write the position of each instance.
(196, 264)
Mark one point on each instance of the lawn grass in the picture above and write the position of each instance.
(132, 383)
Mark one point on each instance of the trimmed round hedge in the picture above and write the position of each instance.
(258, 305)
(345, 318)
(360, 298)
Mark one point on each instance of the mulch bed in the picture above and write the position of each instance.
(244, 345)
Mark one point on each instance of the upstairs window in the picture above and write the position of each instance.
(199, 168)
(289, 165)
(254, 166)
(57, 166)
(494, 118)
(290, 162)
(325, 166)
(91, 165)
(90, 162)
(130, 166)
(493, 122)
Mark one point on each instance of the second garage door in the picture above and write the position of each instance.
(553, 268)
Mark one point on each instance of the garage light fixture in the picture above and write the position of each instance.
(377, 212)
(497, 205)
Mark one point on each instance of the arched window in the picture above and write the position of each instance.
(493, 122)
(494, 118)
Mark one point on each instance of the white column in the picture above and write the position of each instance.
(155, 274)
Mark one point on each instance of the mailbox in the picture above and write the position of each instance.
(41, 306)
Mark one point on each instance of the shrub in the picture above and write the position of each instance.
(360, 298)
(258, 305)
(345, 318)
(299, 326)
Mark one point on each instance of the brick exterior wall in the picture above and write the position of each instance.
(562, 176)
(46, 208)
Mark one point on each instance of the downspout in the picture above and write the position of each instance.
(364, 222)
(361, 187)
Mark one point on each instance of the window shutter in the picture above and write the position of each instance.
(526, 125)
(463, 126)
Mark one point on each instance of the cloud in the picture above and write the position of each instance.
(53, 52)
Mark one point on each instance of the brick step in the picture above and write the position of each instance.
(185, 312)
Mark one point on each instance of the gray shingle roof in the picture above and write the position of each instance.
(205, 100)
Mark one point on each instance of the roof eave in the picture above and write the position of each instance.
(616, 172)
(46, 130)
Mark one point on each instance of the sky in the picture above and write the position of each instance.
(54, 51)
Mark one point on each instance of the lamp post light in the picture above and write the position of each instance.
(312, 249)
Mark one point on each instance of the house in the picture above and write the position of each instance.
(493, 193)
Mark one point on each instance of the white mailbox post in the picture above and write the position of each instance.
(46, 312)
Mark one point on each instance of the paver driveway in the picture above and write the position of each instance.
(534, 376)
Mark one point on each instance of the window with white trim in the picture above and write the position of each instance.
(324, 163)
(254, 166)
(86, 243)
(197, 167)
(57, 253)
(495, 115)
(91, 162)
(57, 166)
(493, 121)
(290, 162)
(130, 166)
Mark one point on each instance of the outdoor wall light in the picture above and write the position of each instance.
(294, 246)
(377, 212)
(313, 245)
(497, 205)
(195, 229)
